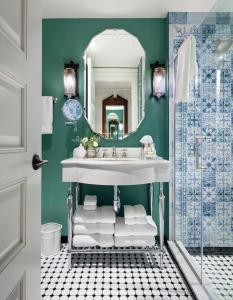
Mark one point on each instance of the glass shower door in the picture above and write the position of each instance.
(187, 176)
(203, 147)
(217, 156)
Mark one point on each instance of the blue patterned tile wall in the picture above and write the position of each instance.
(208, 112)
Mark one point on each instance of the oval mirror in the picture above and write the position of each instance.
(114, 83)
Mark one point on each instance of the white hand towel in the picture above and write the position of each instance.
(136, 211)
(85, 216)
(89, 207)
(87, 240)
(93, 228)
(90, 200)
(104, 214)
(134, 241)
(84, 241)
(135, 221)
(187, 68)
(149, 229)
(47, 115)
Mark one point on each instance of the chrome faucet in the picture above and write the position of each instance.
(114, 154)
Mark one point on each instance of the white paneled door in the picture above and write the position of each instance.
(20, 139)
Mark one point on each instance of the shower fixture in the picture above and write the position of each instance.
(223, 45)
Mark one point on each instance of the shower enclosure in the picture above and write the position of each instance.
(201, 147)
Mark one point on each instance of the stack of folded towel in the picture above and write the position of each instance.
(136, 229)
(90, 202)
(93, 227)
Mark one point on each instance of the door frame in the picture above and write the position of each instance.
(114, 101)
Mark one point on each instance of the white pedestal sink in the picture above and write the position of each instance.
(116, 172)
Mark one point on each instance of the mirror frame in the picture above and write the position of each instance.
(85, 87)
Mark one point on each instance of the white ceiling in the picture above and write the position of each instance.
(121, 8)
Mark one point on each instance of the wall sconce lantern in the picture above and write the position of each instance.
(158, 72)
(70, 79)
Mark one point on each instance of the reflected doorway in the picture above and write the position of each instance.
(115, 117)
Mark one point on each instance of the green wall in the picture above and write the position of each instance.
(65, 40)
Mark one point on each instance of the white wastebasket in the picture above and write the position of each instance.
(50, 239)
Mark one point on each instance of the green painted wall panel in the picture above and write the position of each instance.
(65, 40)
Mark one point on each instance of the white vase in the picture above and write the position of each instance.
(79, 152)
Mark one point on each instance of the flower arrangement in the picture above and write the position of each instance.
(87, 143)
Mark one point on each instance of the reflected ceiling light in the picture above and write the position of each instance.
(70, 80)
(112, 116)
(158, 80)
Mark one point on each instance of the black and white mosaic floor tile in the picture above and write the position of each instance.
(219, 270)
(111, 277)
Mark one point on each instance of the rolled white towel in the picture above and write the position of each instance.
(87, 240)
(135, 211)
(122, 229)
(90, 200)
(93, 228)
(134, 241)
(104, 214)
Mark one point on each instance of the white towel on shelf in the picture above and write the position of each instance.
(85, 216)
(187, 68)
(89, 207)
(134, 211)
(92, 240)
(90, 200)
(104, 214)
(93, 228)
(134, 241)
(149, 229)
(47, 115)
(135, 221)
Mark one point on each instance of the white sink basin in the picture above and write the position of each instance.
(115, 171)
(116, 159)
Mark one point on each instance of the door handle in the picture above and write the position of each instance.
(37, 163)
(197, 150)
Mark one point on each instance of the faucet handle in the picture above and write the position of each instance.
(124, 153)
(114, 152)
(104, 153)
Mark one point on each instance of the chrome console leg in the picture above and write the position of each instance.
(161, 222)
(151, 199)
(69, 200)
(116, 199)
(77, 195)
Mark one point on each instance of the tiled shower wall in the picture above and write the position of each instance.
(208, 112)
